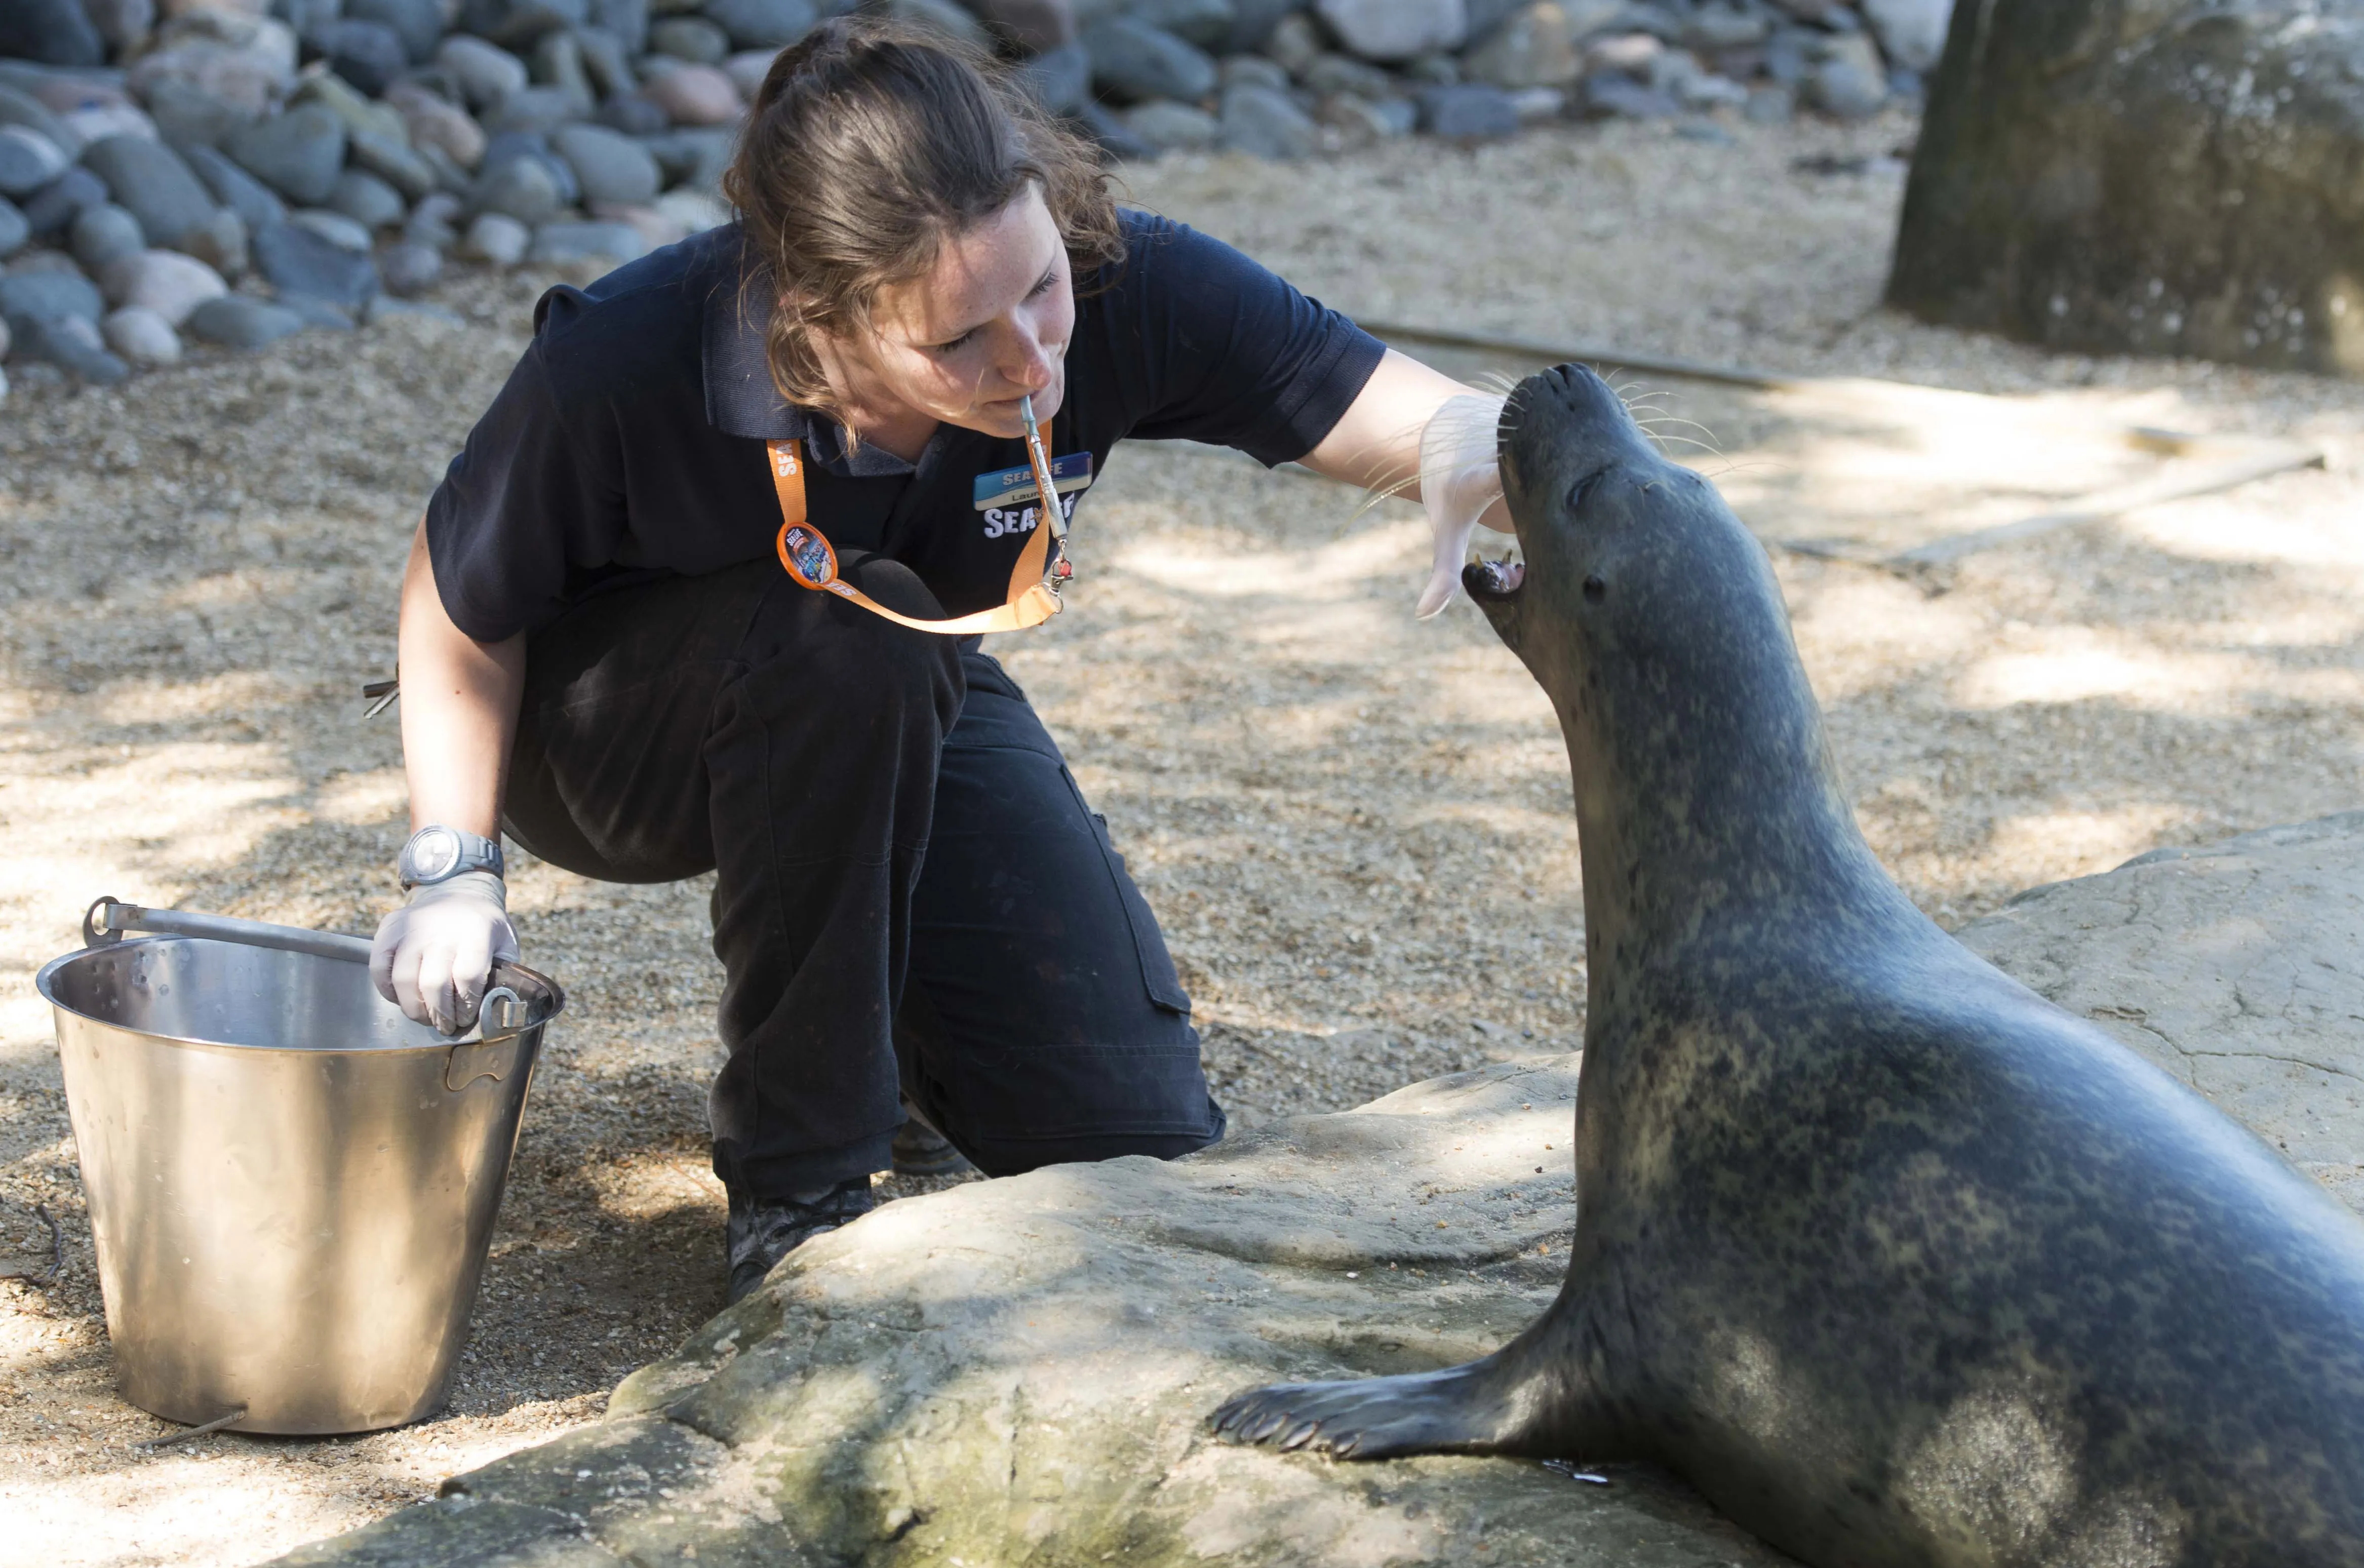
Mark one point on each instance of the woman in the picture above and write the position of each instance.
(914, 908)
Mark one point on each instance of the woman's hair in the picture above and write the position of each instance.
(872, 143)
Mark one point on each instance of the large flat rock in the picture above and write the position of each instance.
(2239, 967)
(1018, 1372)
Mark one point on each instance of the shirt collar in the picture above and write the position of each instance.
(740, 399)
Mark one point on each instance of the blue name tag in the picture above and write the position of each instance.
(1003, 486)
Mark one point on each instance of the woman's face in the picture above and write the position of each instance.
(988, 325)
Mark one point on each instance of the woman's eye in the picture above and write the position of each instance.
(1044, 286)
(962, 341)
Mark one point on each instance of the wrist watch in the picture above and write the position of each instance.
(439, 853)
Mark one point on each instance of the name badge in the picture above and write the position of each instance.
(1006, 485)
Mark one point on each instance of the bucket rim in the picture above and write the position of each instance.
(43, 976)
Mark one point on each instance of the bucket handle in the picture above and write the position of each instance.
(108, 919)
(480, 1060)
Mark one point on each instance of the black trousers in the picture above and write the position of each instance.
(911, 900)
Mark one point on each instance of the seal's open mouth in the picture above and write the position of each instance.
(1495, 580)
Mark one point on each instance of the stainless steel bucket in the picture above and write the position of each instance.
(292, 1186)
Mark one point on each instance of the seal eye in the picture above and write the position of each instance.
(1595, 590)
(1581, 491)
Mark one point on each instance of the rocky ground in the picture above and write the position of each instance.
(1353, 827)
(233, 173)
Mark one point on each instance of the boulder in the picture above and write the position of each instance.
(299, 153)
(514, 24)
(333, 226)
(236, 321)
(1060, 78)
(367, 200)
(141, 338)
(1207, 23)
(1395, 30)
(408, 268)
(367, 54)
(22, 108)
(1469, 111)
(626, 21)
(359, 114)
(536, 110)
(1911, 33)
(556, 243)
(693, 211)
(155, 182)
(249, 80)
(48, 294)
(609, 167)
(762, 24)
(54, 32)
(693, 39)
(634, 114)
(946, 19)
(417, 24)
(50, 210)
(14, 229)
(1848, 81)
(391, 162)
(1170, 127)
(1253, 22)
(29, 161)
(2177, 177)
(432, 222)
(1294, 43)
(693, 156)
(523, 188)
(187, 115)
(236, 189)
(485, 72)
(747, 70)
(557, 61)
(604, 63)
(123, 25)
(1233, 70)
(300, 263)
(694, 96)
(439, 123)
(496, 239)
(1133, 62)
(1266, 122)
(73, 344)
(219, 242)
(1535, 46)
(102, 234)
(163, 280)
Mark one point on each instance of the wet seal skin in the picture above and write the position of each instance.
(1894, 1261)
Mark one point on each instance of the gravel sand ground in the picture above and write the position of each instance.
(1353, 827)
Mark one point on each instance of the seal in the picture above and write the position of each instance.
(1894, 1261)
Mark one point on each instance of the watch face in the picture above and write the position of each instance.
(433, 854)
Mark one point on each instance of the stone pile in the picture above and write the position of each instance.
(235, 171)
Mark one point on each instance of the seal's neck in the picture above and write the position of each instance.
(1705, 789)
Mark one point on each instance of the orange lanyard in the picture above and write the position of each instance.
(1034, 582)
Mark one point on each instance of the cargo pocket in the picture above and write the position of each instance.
(1157, 975)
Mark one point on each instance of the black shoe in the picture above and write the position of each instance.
(921, 1150)
(763, 1230)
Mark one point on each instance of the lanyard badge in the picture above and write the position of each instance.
(1043, 568)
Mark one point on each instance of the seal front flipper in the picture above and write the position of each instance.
(1516, 1401)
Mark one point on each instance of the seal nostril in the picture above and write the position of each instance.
(1595, 589)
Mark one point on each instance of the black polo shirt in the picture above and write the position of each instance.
(629, 442)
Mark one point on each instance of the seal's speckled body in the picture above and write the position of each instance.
(1896, 1262)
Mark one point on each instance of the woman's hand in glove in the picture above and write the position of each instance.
(1460, 487)
(434, 956)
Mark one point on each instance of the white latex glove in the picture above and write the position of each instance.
(434, 956)
(1460, 479)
